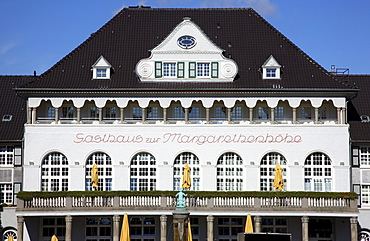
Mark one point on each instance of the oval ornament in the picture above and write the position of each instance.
(186, 42)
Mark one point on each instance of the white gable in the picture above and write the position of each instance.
(271, 62)
(187, 28)
(187, 54)
(101, 62)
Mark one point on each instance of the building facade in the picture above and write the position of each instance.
(221, 90)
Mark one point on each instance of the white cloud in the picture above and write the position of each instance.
(6, 47)
(263, 7)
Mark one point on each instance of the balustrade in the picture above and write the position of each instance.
(168, 202)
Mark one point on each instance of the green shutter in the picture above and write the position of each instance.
(180, 69)
(192, 70)
(158, 69)
(355, 156)
(214, 69)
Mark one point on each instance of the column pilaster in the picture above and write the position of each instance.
(304, 221)
(122, 115)
(68, 236)
(294, 115)
(163, 228)
(257, 224)
(20, 225)
(210, 220)
(116, 220)
(354, 232)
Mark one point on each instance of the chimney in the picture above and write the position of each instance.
(333, 69)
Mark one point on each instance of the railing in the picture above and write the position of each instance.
(210, 204)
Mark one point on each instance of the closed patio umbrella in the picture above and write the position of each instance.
(190, 235)
(278, 179)
(248, 225)
(125, 231)
(186, 179)
(54, 238)
(94, 176)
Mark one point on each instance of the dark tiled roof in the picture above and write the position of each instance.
(360, 105)
(14, 105)
(126, 39)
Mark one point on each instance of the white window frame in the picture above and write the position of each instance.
(7, 155)
(318, 173)
(271, 64)
(100, 65)
(178, 170)
(203, 69)
(105, 171)
(364, 156)
(54, 172)
(169, 70)
(6, 193)
(365, 195)
(229, 172)
(143, 172)
(267, 170)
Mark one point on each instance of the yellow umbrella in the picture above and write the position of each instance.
(125, 231)
(248, 225)
(278, 179)
(94, 176)
(186, 179)
(54, 238)
(190, 236)
(10, 238)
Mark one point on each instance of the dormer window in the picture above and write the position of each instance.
(271, 69)
(102, 69)
(7, 117)
(101, 73)
(270, 73)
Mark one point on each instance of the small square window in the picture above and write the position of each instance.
(7, 117)
(270, 73)
(101, 73)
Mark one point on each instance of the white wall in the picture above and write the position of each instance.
(295, 142)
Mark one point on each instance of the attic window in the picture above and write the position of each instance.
(271, 69)
(102, 69)
(7, 117)
(101, 73)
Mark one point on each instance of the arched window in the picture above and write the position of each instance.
(317, 173)
(143, 172)
(229, 172)
(104, 163)
(54, 172)
(178, 170)
(267, 171)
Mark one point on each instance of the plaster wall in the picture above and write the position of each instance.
(165, 142)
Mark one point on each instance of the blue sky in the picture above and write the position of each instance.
(35, 34)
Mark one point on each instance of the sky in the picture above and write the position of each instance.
(36, 34)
